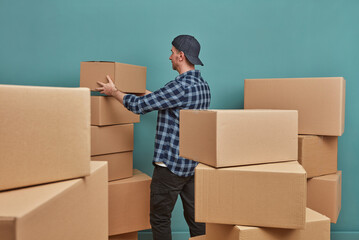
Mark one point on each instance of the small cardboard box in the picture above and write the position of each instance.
(125, 236)
(325, 194)
(223, 138)
(318, 154)
(111, 139)
(202, 237)
(129, 204)
(126, 77)
(120, 165)
(320, 101)
(45, 135)
(109, 111)
(266, 195)
(72, 209)
(317, 227)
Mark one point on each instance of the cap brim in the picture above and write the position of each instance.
(194, 60)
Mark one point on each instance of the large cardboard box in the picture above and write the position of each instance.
(318, 154)
(120, 165)
(126, 77)
(266, 195)
(222, 138)
(320, 101)
(129, 204)
(45, 135)
(111, 139)
(203, 237)
(325, 194)
(72, 209)
(317, 227)
(125, 236)
(109, 111)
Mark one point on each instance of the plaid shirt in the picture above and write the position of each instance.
(187, 91)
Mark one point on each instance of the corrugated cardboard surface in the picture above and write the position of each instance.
(120, 165)
(203, 237)
(267, 195)
(111, 139)
(72, 209)
(126, 77)
(222, 138)
(318, 154)
(45, 135)
(317, 227)
(125, 236)
(129, 204)
(319, 101)
(109, 111)
(324, 195)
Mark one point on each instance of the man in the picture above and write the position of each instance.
(172, 175)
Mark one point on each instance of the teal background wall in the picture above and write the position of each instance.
(42, 42)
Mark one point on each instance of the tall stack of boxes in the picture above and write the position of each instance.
(112, 141)
(249, 183)
(248, 173)
(49, 189)
(321, 106)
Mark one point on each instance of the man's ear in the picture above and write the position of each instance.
(182, 56)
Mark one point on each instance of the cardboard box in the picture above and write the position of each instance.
(203, 237)
(317, 227)
(120, 165)
(125, 236)
(72, 209)
(109, 111)
(111, 139)
(320, 101)
(127, 78)
(223, 138)
(318, 154)
(45, 135)
(266, 195)
(129, 204)
(325, 194)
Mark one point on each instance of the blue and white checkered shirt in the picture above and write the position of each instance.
(187, 91)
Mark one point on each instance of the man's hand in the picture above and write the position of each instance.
(107, 88)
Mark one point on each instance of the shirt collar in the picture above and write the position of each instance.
(190, 72)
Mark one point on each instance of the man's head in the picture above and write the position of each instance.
(185, 50)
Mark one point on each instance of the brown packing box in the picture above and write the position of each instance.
(72, 209)
(324, 195)
(109, 111)
(266, 195)
(320, 101)
(222, 138)
(45, 135)
(318, 154)
(129, 204)
(120, 165)
(317, 227)
(203, 237)
(127, 78)
(111, 139)
(125, 236)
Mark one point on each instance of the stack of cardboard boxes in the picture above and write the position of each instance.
(112, 141)
(48, 187)
(321, 106)
(251, 185)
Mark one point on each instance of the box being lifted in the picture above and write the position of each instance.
(127, 78)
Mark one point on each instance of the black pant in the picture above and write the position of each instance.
(165, 188)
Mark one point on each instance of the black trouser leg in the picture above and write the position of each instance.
(187, 197)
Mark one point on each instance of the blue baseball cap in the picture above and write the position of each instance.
(189, 46)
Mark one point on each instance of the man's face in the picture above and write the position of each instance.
(175, 56)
